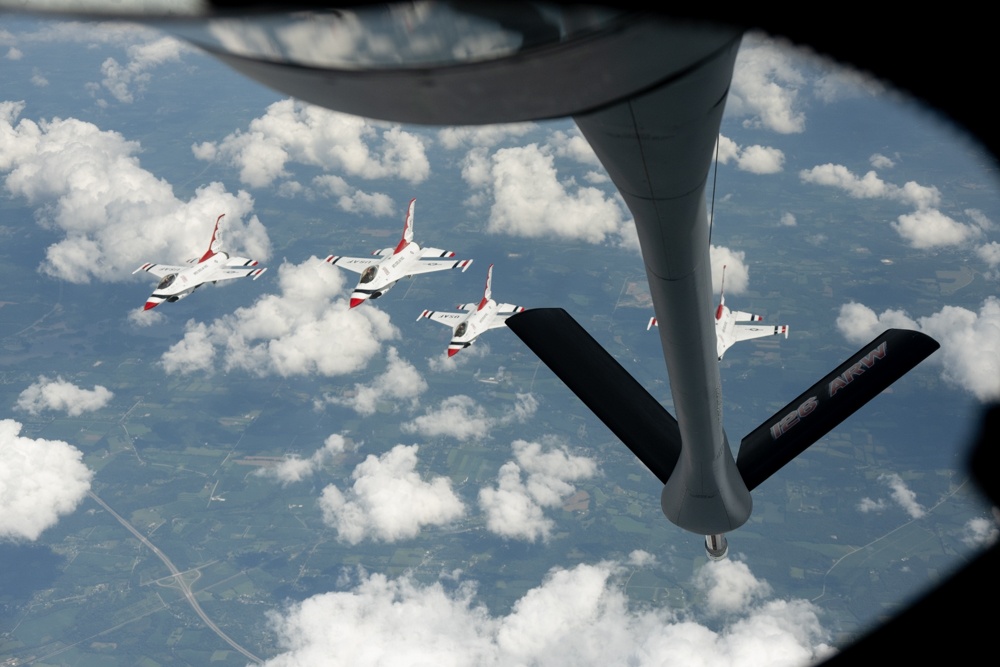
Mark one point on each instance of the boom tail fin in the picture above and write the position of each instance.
(611, 393)
(819, 409)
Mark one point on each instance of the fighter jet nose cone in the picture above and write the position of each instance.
(452, 353)
(149, 304)
(356, 302)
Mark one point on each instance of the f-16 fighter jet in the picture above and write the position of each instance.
(731, 325)
(176, 282)
(479, 317)
(392, 264)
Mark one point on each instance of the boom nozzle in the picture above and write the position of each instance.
(716, 546)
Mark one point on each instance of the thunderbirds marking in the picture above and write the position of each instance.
(405, 260)
(479, 317)
(177, 282)
(730, 327)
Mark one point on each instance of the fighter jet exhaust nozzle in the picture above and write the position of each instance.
(716, 546)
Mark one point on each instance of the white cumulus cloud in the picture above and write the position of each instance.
(576, 617)
(980, 532)
(640, 558)
(539, 477)
(59, 394)
(291, 131)
(389, 500)
(486, 136)
(766, 85)
(729, 586)
(866, 505)
(759, 159)
(40, 480)
(307, 328)
(400, 384)
(145, 49)
(900, 493)
(530, 200)
(880, 161)
(839, 83)
(143, 319)
(114, 215)
(755, 159)
(573, 145)
(296, 468)
(930, 228)
(970, 341)
(442, 363)
(351, 199)
(460, 417)
(870, 186)
(990, 253)
(926, 227)
(124, 81)
(737, 272)
(903, 495)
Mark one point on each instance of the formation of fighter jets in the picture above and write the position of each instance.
(388, 266)
(731, 325)
(177, 282)
(652, 121)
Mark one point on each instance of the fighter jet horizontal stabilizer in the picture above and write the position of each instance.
(795, 427)
(611, 393)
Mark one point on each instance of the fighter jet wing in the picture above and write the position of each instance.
(435, 252)
(500, 321)
(447, 319)
(384, 252)
(160, 270)
(505, 310)
(502, 308)
(228, 273)
(431, 265)
(749, 331)
(741, 316)
(356, 264)
(237, 262)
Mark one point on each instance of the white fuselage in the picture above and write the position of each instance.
(725, 330)
(387, 273)
(472, 326)
(188, 280)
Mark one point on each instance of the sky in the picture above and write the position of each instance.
(93, 188)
